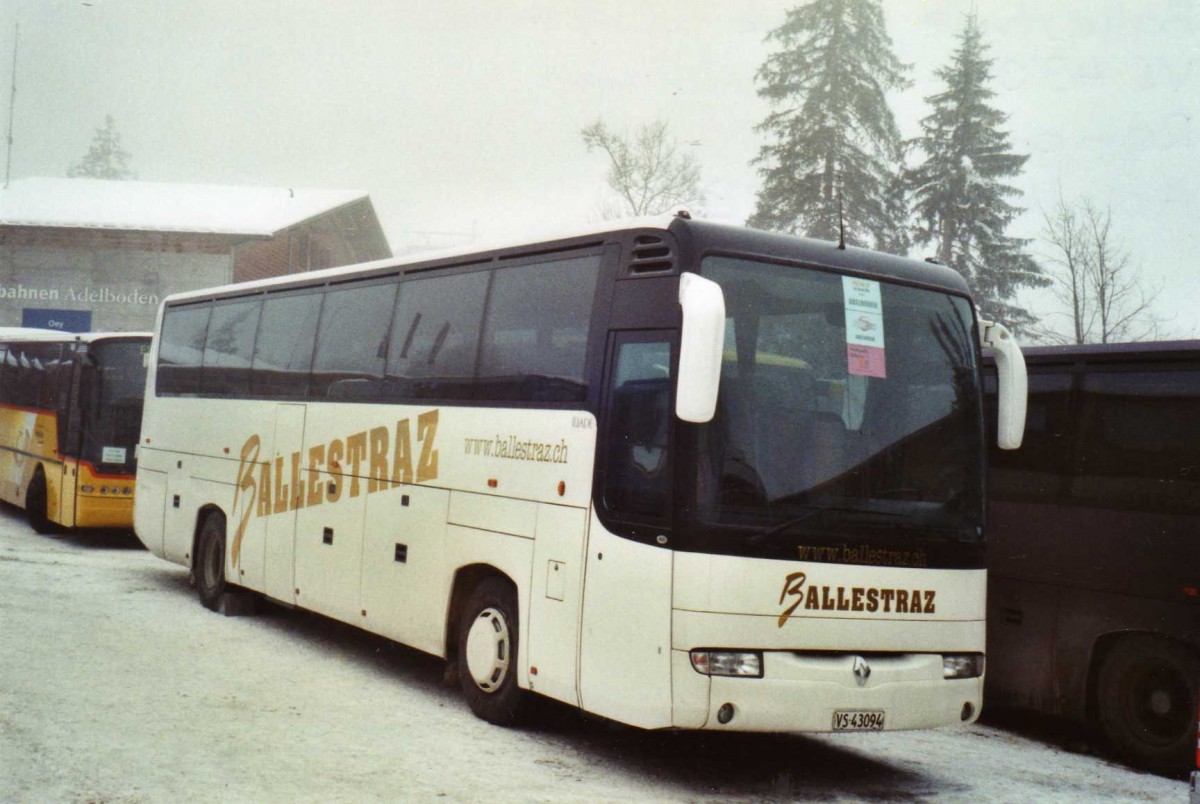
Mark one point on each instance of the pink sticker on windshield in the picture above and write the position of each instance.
(865, 354)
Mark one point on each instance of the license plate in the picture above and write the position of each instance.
(858, 721)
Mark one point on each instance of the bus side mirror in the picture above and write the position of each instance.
(1013, 383)
(701, 343)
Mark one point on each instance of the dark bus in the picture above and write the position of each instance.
(1094, 548)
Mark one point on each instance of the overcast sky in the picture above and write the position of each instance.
(462, 117)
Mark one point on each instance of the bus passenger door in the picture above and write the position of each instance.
(625, 651)
(278, 569)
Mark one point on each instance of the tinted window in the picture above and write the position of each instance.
(30, 375)
(112, 388)
(637, 479)
(1039, 468)
(535, 338)
(283, 352)
(352, 341)
(45, 360)
(17, 377)
(1139, 440)
(229, 347)
(435, 336)
(181, 349)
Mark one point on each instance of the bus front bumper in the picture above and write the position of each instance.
(801, 692)
(111, 511)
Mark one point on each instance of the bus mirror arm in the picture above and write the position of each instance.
(1013, 383)
(701, 342)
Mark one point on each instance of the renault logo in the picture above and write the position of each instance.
(862, 671)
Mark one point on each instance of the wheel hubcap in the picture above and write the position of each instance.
(1160, 702)
(488, 649)
(1156, 697)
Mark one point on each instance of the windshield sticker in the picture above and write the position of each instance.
(112, 455)
(864, 328)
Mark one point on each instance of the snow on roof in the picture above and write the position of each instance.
(161, 207)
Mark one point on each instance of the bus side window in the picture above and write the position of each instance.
(181, 349)
(1039, 469)
(228, 348)
(352, 341)
(637, 478)
(28, 386)
(1139, 440)
(535, 338)
(435, 337)
(43, 359)
(283, 351)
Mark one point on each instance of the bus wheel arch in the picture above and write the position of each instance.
(483, 642)
(37, 502)
(208, 556)
(1142, 692)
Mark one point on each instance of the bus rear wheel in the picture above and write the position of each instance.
(487, 653)
(1146, 695)
(36, 500)
(210, 561)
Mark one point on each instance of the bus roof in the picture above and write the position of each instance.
(1140, 350)
(700, 237)
(32, 334)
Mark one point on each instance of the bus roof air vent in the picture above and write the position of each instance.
(651, 255)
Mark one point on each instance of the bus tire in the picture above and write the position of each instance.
(1146, 702)
(36, 500)
(487, 653)
(210, 561)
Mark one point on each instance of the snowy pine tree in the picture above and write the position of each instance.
(105, 158)
(835, 148)
(960, 200)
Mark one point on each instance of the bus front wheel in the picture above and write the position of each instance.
(487, 653)
(36, 500)
(1146, 695)
(210, 561)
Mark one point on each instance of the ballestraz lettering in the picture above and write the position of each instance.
(278, 485)
(868, 599)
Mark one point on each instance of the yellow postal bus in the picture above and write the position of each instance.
(70, 412)
(677, 474)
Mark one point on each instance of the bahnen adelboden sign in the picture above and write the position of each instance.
(79, 295)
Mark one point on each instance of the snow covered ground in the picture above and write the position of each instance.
(117, 686)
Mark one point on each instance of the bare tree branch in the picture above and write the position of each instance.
(1096, 279)
(649, 173)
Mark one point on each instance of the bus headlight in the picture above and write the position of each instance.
(962, 665)
(747, 664)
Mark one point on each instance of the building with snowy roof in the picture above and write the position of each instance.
(92, 254)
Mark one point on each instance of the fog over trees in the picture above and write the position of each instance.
(832, 163)
(105, 159)
(833, 148)
(792, 115)
(959, 196)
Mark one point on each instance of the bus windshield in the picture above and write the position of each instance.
(848, 420)
(114, 383)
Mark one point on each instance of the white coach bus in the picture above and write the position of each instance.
(677, 474)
